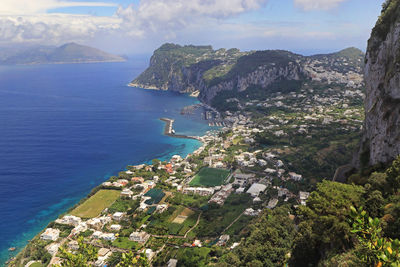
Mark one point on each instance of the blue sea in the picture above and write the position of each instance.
(66, 128)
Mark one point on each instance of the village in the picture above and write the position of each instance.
(206, 200)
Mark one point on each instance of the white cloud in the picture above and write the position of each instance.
(317, 4)
(166, 16)
(27, 7)
(53, 29)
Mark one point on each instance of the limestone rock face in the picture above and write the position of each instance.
(222, 72)
(381, 136)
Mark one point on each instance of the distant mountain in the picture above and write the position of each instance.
(224, 73)
(67, 53)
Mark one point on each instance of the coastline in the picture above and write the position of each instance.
(194, 94)
(167, 132)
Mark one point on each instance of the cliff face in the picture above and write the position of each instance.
(214, 72)
(381, 137)
(262, 77)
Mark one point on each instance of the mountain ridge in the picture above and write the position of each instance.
(192, 68)
(64, 54)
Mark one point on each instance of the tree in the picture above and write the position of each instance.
(131, 260)
(86, 253)
(393, 176)
(324, 229)
(373, 247)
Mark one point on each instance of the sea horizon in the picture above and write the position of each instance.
(69, 129)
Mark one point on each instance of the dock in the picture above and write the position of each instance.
(169, 130)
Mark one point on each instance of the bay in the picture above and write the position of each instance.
(66, 128)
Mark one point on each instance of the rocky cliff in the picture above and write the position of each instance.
(228, 72)
(381, 137)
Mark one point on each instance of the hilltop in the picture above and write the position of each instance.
(219, 74)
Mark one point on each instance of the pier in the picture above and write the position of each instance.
(169, 130)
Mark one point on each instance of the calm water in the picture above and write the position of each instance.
(65, 128)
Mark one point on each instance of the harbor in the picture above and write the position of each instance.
(169, 130)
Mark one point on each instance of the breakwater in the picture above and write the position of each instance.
(169, 130)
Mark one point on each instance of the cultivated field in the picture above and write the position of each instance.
(96, 203)
(183, 216)
(209, 177)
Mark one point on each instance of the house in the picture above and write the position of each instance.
(73, 245)
(303, 196)
(242, 178)
(262, 162)
(161, 208)
(256, 189)
(149, 254)
(272, 203)
(69, 220)
(240, 190)
(136, 180)
(95, 223)
(295, 176)
(196, 243)
(103, 255)
(97, 235)
(223, 239)
(52, 248)
(50, 234)
(108, 236)
(126, 193)
(270, 171)
(122, 182)
(79, 229)
(115, 227)
(198, 190)
(118, 216)
(103, 252)
(172, 263)
(140, 237)
(251, 212)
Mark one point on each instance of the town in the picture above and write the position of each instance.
(206, 201)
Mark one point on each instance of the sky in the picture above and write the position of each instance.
(132, 27)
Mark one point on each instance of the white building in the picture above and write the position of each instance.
(272, 203)
(303, 197)
(69, 220)
(140, 237)
(118, 216)
(126, 193)
(256, 189)
(115, 227)
(50, 234)
(295, 176)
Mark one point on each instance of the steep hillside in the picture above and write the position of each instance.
(381, 139)
(216, 72)
(67, 53)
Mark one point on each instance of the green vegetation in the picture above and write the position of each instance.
(96, 204)
(210, 177)
(390, 11)
(124, 205)
(125, 243)
(216, 219)
(373, 248)
(269, 242)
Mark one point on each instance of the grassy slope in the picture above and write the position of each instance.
(96, 204)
